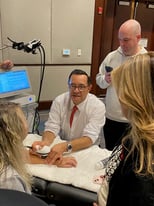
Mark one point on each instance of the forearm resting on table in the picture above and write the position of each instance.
(33, 159)
(65, 162)
(77, 144)
(81, 143)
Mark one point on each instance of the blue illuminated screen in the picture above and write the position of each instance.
(14, 82)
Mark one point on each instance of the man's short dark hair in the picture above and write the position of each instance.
(80, 72)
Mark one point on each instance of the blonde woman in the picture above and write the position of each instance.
(13, 156)
(130, 170)
(13, 130)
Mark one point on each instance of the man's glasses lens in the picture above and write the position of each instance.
(79, 87)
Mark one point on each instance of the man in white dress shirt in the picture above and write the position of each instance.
(88, 119)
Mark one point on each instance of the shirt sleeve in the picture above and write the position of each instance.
(100, 77)
(54, 120)
(96, 119)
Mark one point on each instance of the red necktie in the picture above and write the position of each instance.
(72, 114)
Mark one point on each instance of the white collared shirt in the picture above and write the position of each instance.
(88, 119)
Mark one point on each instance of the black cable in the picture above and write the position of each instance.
(42, 71)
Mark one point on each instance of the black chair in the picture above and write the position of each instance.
(70, 195)
(57, 193)
(17, 198)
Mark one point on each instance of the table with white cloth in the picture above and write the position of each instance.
(70, 184)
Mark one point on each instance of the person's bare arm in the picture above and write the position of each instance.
(47, 139)
(58, 149)
(77, 144)
(33, 158)
(81, 143)
(65, 162)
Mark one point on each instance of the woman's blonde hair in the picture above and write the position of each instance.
(12, 133)
(134, 84)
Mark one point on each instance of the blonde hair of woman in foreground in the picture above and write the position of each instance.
(13, 155)
(13, 130)
(130, 169)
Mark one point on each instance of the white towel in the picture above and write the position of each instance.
(80, 176)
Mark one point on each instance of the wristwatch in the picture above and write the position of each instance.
(69, 147)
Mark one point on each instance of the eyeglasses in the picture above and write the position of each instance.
(80, 87)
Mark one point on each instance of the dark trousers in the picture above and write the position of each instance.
(113, 132)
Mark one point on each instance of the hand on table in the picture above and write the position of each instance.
(55, 157)
(66, 162)
(56, 153)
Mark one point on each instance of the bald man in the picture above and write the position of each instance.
(116, 125)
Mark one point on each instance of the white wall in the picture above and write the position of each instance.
(22, 21)
(72, 28)
(55, 80)
(59, 24)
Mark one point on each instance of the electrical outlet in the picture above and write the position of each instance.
(79, 52)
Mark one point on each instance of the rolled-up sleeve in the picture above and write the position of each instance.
(96, 119)
(54, 120)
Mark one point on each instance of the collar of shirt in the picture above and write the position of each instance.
(80, 106)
